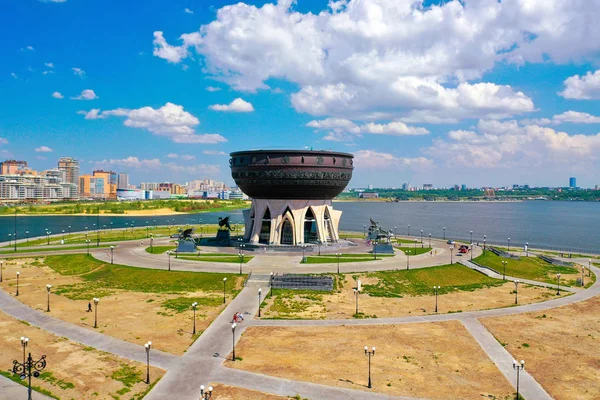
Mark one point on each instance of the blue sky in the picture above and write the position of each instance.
(477, 92)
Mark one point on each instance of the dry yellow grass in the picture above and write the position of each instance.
(429, 360)
(561, 350)
(89, 370)
(134, 317)
(225, 392)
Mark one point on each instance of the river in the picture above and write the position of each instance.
(543, 224)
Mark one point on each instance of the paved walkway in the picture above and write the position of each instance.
(10, 390)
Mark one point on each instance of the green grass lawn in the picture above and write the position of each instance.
(414, 251)
(344, 258)
(159, 249)
(52, 249)
(216, 257)
(417, 282)
(531, 267)
(103, 277)
(402, 240)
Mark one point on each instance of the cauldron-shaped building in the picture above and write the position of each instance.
(292, 192)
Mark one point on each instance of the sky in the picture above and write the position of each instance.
(475, 92)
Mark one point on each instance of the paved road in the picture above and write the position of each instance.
(10, 390)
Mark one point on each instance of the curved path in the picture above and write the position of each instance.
(202, 363)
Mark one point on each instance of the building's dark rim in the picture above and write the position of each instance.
(274, 151)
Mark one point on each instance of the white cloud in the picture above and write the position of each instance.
(172, 155)
(214, 153)
(416, 63)
(47, 72)
(586, 87)
(58, 95)
(49, 65)
(188, 11)
(237, 105)
(155, 164)
(213, 88)
(3, 141)
(162, 49)
(87, 94)
(79, 72)
(44, 149)
(53, 1)
(187, 157)
(370, 159)
(169, 120)
(576, 117)
(497, 144)
(28, 48)
(342, 129)
(14, 75)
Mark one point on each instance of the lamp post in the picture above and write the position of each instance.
(148, 346)
(430, 240)
(96, 300)
(87, 241)
(338, 255)
(224, 281)
(205, 395)
(484, 238)
(24, 343)
(1, 265)
(589, 267)
(504, 263)
(444, 228)
(169, 256)
(518, 367)
(582, 275)
(27, 236)
(516, 292)
(421, 238)
(471, 233)
(18, 273)
(526, 249)
(508, 244)
(9, 239)
(557, 284)
(471, 251)
(241, 256)
(152, 243)
(356, 293)
(112, 249)
(409, 230)
(48, 237)
(303, 256)
(194, 305)
(233, 336)
(147, 233)
(374, 250)
(259, 300)
(436, 288)
(48, 287)
(407, 259)
(24, 370)
(395, 232)
(319, 242)
(451, 250)
(63, 235)
(369, 353)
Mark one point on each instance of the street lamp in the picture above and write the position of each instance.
(194, 305)
(271, 285)
(27, 236)
(224, 281)
(18, 273)
(526, 249)
(504, 263)
(259, 300)
(319, 242)
(148, 346)
(516, 292)
(205, 395)
(356, 293)
(589, 267)
(421, 238)
(48, 287)
(444, 228)
(408, 229)
(471, 251)
(151, 244)
(233, 335)
(9, 239)
(96, 300)
(430, 240)
(112, 249)
(407, 259)
(451, 250)
(471, 233)
(169, 256)
(63, 232)
(241, 256)
(558, 283)
(518, 367)
(484, 237)
(395, 232)
(436, 288)
(24, 343)
(48, 237)
(338, 255)
(369, 353)
(508, 244)
(582, 275)
(87, 241)
(24, 369)
(1, 265)
(303, 256)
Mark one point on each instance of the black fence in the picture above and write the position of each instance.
(302, 282)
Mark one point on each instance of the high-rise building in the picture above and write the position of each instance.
(71, 168)
(91, 186)
(463, 187)
(110, 183)
(427, 186)
(572, 182)
(10, 167)
(123, 181)
(406, 186)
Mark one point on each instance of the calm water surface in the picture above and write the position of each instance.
(554, 224)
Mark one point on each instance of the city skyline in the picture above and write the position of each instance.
(484, 94)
